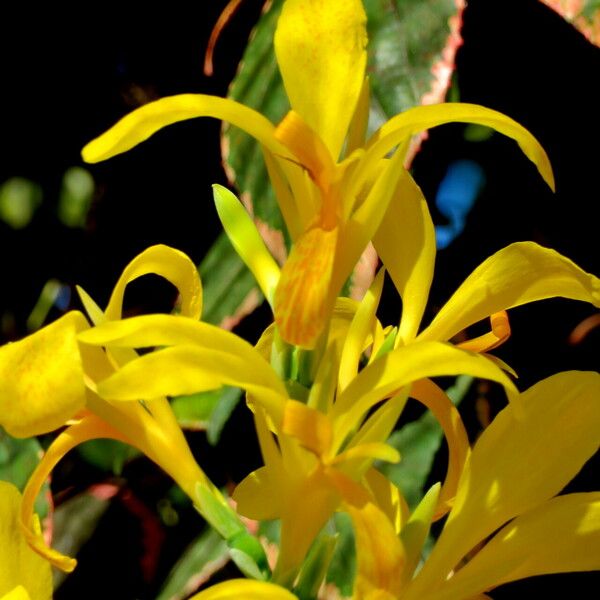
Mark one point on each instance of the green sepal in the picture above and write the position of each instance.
(315, 567)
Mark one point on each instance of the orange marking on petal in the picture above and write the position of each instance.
(308, 148)
(302, 295)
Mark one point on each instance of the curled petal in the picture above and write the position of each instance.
(87, 429)
(144, 122)
(174, 266)
(421, 118)
(451, 423)
(520, 273)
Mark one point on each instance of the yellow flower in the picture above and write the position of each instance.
(333, 187)
(318, 445)
(48, 380)
(507, 522)
(23, 574)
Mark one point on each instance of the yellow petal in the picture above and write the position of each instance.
(387, 375)
(405, 241)
(363, 324)
(517, 464)
(379, 553)
(420, 118)
(41, 378)
(518, 274)
(145, 121)
(257, 495)
(23, 574)
(246, 240)
(451, 423)
(560, 536)
(416, 530)
(246, 589)
(303, 299)
(187, 369)
(310, 427)
(387, 497)
(169, 263)
(167, 330)
(320, 48)
(19, 593)
(88, 428)
(306, 145)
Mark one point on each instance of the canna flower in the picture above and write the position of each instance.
(333, 186)
(507, 522)
(23, 574)
(330, 417)
(48, 380)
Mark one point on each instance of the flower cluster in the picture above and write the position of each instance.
(327, 381)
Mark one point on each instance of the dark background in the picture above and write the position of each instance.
(68, 75)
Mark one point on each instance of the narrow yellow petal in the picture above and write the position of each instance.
(385, 376)
(421, 118)
(246, 589)
(174, 266)
(447, 415)
(187, 369)
(405, 241)
(363, 325)
(321, 51)
(145, 121)
(246, 240)
(41, 378)
(88, 428)
(518, 274)
(387, 497)
(560, 536)
(416, 530)
(304, 299)
(169, 330)
(23, 574)
(517, 464)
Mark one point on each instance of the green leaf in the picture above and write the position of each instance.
(342, 568)
(18, 459)
(418, 443)
(229, 289)
(200, 560)
(584, 15)
(107, 455)
(207, 411)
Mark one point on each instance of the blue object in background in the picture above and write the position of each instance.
(455, 197)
